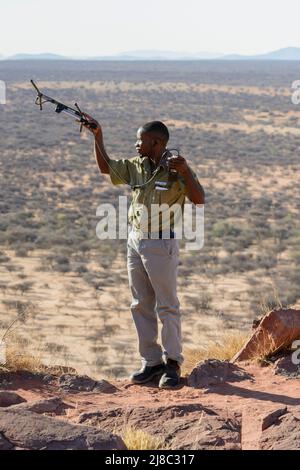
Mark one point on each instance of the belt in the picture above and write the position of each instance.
(162, 234)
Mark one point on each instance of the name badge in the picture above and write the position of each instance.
(161, 185)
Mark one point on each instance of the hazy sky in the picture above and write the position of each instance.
(96, 27)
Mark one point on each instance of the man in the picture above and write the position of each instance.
(153, 253)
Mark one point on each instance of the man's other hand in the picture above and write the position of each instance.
(178, 163)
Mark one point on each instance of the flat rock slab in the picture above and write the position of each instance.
(190, 426)
(212, 372)
(53, 406)
(26, 430)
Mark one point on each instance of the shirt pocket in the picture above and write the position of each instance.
(171, 195)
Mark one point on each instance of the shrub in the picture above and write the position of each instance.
(223, 229)
(4, 258)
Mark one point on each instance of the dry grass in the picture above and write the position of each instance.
(267, 306)
(223, 349)
(136, 439)
(17, 360)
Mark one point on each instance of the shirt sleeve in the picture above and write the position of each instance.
(120, 171)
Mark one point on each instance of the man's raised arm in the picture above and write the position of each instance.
(102, 158)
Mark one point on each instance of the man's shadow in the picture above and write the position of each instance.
(227, 389)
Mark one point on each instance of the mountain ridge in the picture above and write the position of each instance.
(287, 53)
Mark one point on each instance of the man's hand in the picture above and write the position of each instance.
(178, 163)
(97, 131)
(194, 192)
(101, 156)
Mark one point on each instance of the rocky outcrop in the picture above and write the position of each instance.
(26, 430)
(179, 427)
(276, 331)
(221, 405)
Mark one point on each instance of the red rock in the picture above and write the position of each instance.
(276, 331)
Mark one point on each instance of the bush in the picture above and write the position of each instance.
(20, 235)
(62, 268)
(3, 257)
(224, 229)
(81, 269)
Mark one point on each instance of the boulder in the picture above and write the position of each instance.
(103, 386)
(286, 366)
(76, 383)
(213, 371)
(276, 331)
(83, 383)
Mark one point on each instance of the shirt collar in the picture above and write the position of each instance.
(146, 160)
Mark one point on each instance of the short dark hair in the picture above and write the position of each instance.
(158, 128)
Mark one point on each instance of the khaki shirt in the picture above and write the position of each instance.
(144, 209)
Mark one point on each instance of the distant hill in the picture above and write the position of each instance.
(45, 56)
(159, 55)
(287, 53)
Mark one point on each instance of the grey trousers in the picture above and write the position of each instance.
(152, 272)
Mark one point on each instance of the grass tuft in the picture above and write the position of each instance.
(136, 439)
(20, 361)
(223, 349)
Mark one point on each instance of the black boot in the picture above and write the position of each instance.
(147, 373)
(171, 377)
